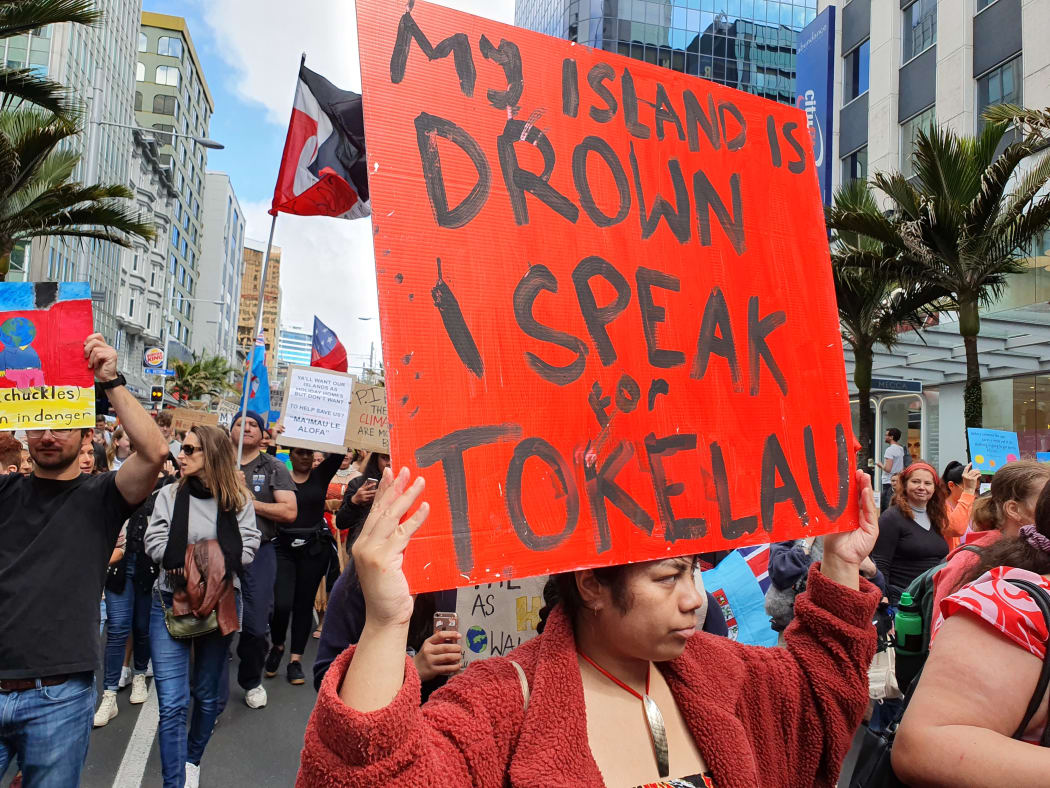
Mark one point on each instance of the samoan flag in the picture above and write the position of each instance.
(259, 380)
(327, 352)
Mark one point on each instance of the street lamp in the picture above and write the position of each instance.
(204, 142)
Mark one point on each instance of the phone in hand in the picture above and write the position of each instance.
(446, 622)
(370, 482)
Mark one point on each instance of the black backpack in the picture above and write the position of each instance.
(874, 768)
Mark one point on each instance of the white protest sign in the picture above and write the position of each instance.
(497, 617)
(316, 408)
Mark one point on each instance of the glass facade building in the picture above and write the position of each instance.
(745, 44)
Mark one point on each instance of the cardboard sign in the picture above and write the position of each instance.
(369, 426)
(184, 418)
(315, 410)
(992, 449)
(608, 319)
(45, 381)
(497, 617)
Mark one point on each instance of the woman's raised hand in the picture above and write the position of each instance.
(971, 478)
(379, 550)
(844, 552)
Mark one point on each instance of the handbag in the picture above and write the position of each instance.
(874, 768)
(188, 626)
(882, 676)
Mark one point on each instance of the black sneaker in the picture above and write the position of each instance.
(273, 661)
(295, 673)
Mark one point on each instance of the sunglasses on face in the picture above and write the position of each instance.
(190, 450)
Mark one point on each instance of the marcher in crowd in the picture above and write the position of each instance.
(202, 531)
(26, 469)
(336, 490)
(164, 421)
(273, 493)
(119, 449)
(733, 714)
(911, 532)
(58, 529)
(1009, 505)
(963, 725)
(892, 464)
(303, 554)
(360, 492)
(10, 454)
(961, 482)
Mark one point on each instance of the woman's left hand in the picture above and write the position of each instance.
(852, 547)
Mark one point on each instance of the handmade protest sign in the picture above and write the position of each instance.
(369, 425)
(45, 381)
(497, 617)
(184, 418)
(315, 410)
(608, 319)
(992, 449)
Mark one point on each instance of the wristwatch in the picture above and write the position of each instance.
(119, 380)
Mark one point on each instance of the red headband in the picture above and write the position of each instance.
(920, 466)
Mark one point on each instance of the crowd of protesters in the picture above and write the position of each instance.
(631, 681)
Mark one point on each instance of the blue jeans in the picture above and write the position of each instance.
(127, 612)
(47, 730)
(176, 682)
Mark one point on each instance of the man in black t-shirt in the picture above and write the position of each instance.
(58, 528)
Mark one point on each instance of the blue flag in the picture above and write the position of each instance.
(259, 381)
(734, 585)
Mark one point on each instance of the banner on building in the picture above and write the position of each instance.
(608, 320)
(316, 409)
(815, 91)
(45, 380)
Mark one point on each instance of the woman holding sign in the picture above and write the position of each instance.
(582, 703)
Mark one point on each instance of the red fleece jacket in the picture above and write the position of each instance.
(760, 716)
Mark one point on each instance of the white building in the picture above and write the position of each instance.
(294, 344)
(144, 274)
(219, 274)
(98, 64)
(899, 66)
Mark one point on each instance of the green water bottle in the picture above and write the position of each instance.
(908, 625)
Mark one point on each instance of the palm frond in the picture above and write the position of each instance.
(24, 84)
(906, 199)
(1034, 123)
(22, 16)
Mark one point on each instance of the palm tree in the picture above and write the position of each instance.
(193, 380)
(873, 306)
(24, 84)
(955, 224)
(1035, 123)
(38, 197)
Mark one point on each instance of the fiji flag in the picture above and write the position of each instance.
(328, 352)
(259, 380)
(737, 587)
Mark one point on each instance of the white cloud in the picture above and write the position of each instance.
(327, 265)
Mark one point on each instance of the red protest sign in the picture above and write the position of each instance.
(608, 320)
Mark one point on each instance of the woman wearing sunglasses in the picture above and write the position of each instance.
(202, 533)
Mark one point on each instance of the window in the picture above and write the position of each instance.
(138, 101)
(153, 279)
(983, 4)
(855, 166)
(168, 75)
(135, 262)
(164, 138)
(131, 306)
(1001, 85)
(166, 105)
(909, 132)
(168, 45)
(140, 72)
(142, 42)
(855, 72)
(175, 237)
(920, 27)
(149, 320)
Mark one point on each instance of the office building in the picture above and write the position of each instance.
(253, 256)
(97, 63)
(900, 66)
(294, 344)
(219, 272)
(144, 275)
(746, 45)
(172, 98)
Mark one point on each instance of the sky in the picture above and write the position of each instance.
(249, 51)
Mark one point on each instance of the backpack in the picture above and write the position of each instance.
(921, 590)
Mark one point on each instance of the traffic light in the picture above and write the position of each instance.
(156, 394)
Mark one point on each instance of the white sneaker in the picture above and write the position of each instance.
(139, 690)
(125, 677)
(107, 709)
(193, 775)
(149, 669)
(255, 697)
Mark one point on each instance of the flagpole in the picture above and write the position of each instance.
(255, 337)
